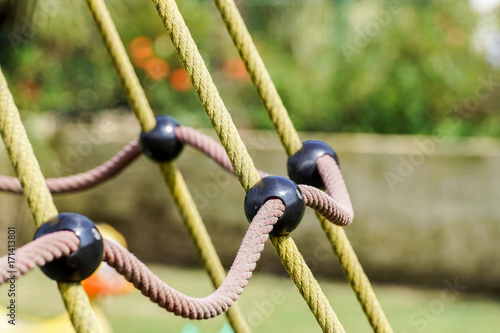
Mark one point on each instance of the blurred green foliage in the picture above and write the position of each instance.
(347, 65)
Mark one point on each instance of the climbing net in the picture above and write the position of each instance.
(333, 207)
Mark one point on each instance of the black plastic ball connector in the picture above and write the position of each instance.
(81, 264)
(161, 144)
(276, 187)
(302, 167)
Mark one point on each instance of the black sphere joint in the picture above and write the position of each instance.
(81, 264)
(302, 167)
(275, 187)
(161, 144)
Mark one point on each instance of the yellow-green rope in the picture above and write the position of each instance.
(171, 174)
(39, 199)
(306, 283)
(207, 92)
(260, 77)
(291, 142)
(356, 276)
(238, 155)
(130, 82)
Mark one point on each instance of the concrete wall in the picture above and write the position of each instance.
(425, 210)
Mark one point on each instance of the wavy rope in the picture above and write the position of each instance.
(291, 142)
(228, 135)
(39, 200)
(53, 246)
(173, 177)
(84, 180)
(228, 292)
(207, 93)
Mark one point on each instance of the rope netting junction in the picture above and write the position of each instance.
(333, 207)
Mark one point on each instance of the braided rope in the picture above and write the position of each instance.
(53, 246)
(173, 177)
(39, 200)
(336, 208)
(348, 258)
(39, 252)
(207, 93)
(291, 142)
(130, 82)
(238, 155)
(259, 75)
(83, 180)
(308, 287)
(228, 292)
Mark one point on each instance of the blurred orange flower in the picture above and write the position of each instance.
(156, 68)
(179, 80)
(141, 49)
(235, 68)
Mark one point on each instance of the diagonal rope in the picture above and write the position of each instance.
(259, 75)
(291, 142)
(238, 155)
(39, 200)
(306, 283)
(348, 258)
(172, 176)
(207, 93)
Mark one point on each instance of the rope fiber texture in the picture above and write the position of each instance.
(172, 176)
(39, 200)
(259, 75)
(291, 142)
(218, 302)
(207, 93)
(55, 245)
(231, 141)
(39, 252)
(348, 258)
(336, 208)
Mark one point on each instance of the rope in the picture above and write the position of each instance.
(185, 203)
(38, 197)
(228, 135)
(83, 180)
(53, 246)
(130, 82)
(198, 233)
(207, 93)
(259, 75)
(336, 208)
(291, 142)
(306, 283)
(39, 252)
(349, 260)
(218, 302)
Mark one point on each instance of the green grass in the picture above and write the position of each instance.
(272, 304)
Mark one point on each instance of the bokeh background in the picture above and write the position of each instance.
(406, 92)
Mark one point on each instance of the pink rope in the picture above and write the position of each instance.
(55, 245)
(207, 146)
(336, 208)
(37, 253)
(84, 180)
(228, 292)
